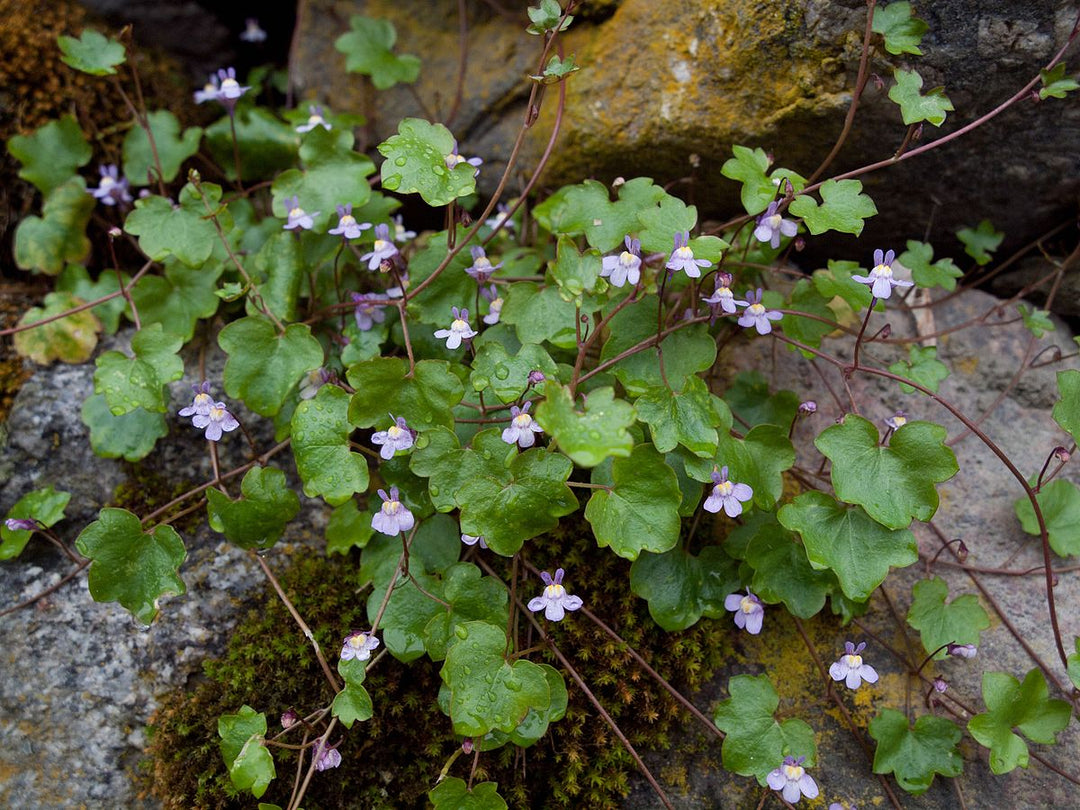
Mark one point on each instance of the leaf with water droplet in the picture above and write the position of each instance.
(425, 147)
(320, 433)
(257, 519)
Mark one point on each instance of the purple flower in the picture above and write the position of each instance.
(459, 329)
(223, 88)
(473, 539)
(851, 669)
(727, 495)
(252, 31)
(368, 310)
(359, 646)
(113, 188)
(940, 685)
(536, 376)
(793, 781)
(311, 382)
(896, 421)
(393, 517)
(382, 249)
(481, 269)
(315, 119)
(682, 257)
(400, 233)
(399, 436)
(502, 217)
(881, 279)
(770, 226)
(624, 267)
(454, 160)
(289, 719)
(298, 217)
(523, 427)
(757, 316)
(808, 407)
(201, 403)
(347, 226)
(326, 757)
(495, 309)
(963, 650)
(21, 524)
(554, 601)
(723, 297)
(748, 610)
(216, 421)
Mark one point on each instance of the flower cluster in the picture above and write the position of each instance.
(207, 414)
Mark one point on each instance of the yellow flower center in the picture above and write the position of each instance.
(391, 507)
(684, 253)
(453, 159)
(482, 263)
(459, 325)
(794, 773)
(882, 271)
(209, 88)
(316, 120)
(106, 183)
(756, 309)
(522, 420)
(626, 257)
(773, 221)
(724, 292)
(346, 220)
(357, 642)
(380, 245)
(202, 399)
(230, 84)
(747, 605)
(217, 413)
(899, 421)
(723, 488)
(554, 591)
(296, 213)
(496, 304)
(853, 661)
(394, 432)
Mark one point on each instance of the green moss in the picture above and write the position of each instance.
(143, 491)
(393, 759)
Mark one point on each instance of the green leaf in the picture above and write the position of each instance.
(472, 597)
(688, 351)
(263, 365)
(1055, 83)
(958, 622)
(922, 367)
(1060, 504)
(266, 144)
(333, 174)
(749, 167)
(640, 512)
(130, 566)
(914, 106)
(759, 460)
(1067, 409)
(915, 754)
(588, 436)
(495, 370)
(435, 547)
(75, 280)
(92, 53)
(546, 17)
(454, 794)
(183, 231)
(749, 396)
(351, 704)
(139, 382)
(536, 723)
(320, 441)
(347, 528)
(424, 399)
(660, 224)
(70, 340)
(416, 163)
(557, 69)
(368, 49)
(901, 31)
(576, 273)
(689, 417)
(258, 517)
(540, 314)
(131, 436)
(1012, 705)
(1074, 665)
(756, 743)
(836, 281)
(587, 209)
(681, 588)
(243, 745)
(782, 572)
(980, 242)
(860, 551)
(51, 153)
(806, 298)
(172, 148)
(453, 287)
(180, 298)
(843, 208)
(917, 258)
(45, 505)
(1036, 321)
(486, 691)
(511, 504)
(895, 483)
(46, 244)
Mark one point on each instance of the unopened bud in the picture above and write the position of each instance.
(467, 745)
(961, 551)
(289, 719)
(618, 181)
(21, 524)
(695, 160)
(962, 650)
(536, 377)
(724, 279)
(879, 83)
(808, 407)
(115, 233)
(1061, 454)
(940, 685)
(800, 243)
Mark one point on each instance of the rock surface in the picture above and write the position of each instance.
(665, 81)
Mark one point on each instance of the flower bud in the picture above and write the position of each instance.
(21, 524)
(289, 719)
(467, 745)
(536, 377)
(940, 685)
(808, 407)
(961, 550)
(962, 650)
(1061, 454)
